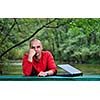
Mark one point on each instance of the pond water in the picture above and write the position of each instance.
(88, 69)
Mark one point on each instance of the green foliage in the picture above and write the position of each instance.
(75, 40)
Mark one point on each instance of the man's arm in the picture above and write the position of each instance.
(51, 66)
(27, 62)
(31, 54)
(52, 69)
(47, 73)
(26, 66)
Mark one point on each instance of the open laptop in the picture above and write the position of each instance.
(72, 71)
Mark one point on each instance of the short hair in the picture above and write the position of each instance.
(34, 39)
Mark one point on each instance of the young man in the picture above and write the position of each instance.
(38, 62)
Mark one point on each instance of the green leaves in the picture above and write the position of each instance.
(69, 39)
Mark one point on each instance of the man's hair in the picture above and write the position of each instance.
(34, 39)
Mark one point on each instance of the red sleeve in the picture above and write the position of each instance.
(51, 63)
(26, 66)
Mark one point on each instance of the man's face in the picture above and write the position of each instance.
(37, 46)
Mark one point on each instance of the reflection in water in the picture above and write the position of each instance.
(89, 69)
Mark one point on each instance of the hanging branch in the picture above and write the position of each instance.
(17, 25)
(57, 26)
(62, 24)
(14, 23)
(27, 38)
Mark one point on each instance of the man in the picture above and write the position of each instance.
(38, 62)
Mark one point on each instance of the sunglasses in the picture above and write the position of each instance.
(33, 47)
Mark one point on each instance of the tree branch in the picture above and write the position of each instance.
(9, 31)
(17, 25)
(27, 38)
(57, 26)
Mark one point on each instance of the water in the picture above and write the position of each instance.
(91, 69)
(88, 69)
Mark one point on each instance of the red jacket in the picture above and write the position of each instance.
(45, 63)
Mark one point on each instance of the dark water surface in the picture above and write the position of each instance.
(88, 69)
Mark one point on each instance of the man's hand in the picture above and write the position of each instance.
(31, 54)
(42, 74)
(47, 73)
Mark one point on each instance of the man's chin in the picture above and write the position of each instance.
(37, 54)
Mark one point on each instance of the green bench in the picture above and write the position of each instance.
(72, 75)
(51, 78)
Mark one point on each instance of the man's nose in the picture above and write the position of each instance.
(35, 48)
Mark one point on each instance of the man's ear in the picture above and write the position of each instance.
(42, 47)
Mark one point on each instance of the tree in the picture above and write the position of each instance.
(69, 39)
